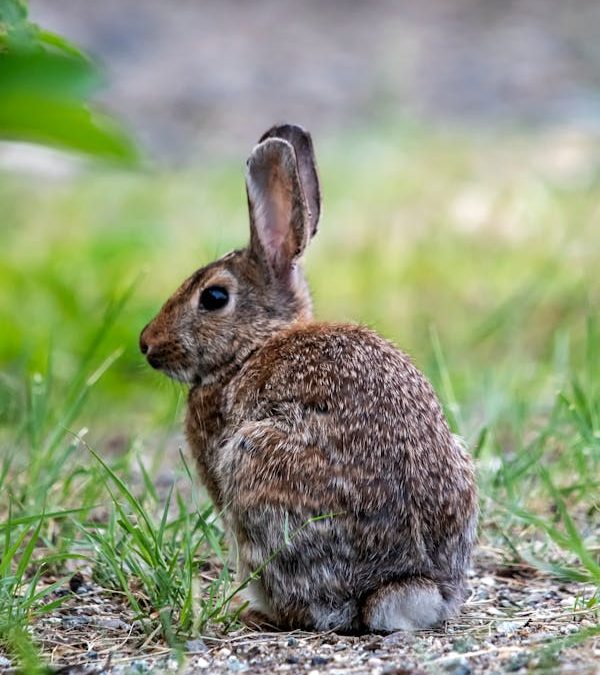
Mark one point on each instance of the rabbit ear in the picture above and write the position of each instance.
(307, 168)
(279, 226)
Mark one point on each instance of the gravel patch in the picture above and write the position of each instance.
(516, 620)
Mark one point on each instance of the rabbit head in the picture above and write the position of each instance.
(226, 310)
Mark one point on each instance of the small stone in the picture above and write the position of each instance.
(76, 582)
(235, 665)
(458, 666)
(508, 627)
(292, 642)
(395, 639)
(196, 646)
(113, 624)
(374, 662)
(318, 661)
(373, 645)
(569, 629)
(140, 666)
(201, 663)
(253, 652)
(462, 645)
(516, 662)
(292, 660)
(75, 621)
(224, 652)
(4, 662)
(328, 639)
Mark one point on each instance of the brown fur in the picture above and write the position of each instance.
(325, 448)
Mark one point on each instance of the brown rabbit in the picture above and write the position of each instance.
(323, 446)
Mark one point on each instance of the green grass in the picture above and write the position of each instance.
(479, 256)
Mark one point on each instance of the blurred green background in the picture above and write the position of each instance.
(461, 201)
(491, 242)
(458, 146)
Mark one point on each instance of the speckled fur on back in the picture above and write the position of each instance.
(323, 446)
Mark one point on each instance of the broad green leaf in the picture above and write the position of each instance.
(49, 75)
(63, 124)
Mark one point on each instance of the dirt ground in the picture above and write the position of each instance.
(516, 620)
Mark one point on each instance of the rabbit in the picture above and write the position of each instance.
(350, 504)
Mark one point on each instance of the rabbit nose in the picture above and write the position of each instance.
(145, 348)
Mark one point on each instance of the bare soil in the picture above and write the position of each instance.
(516, 620)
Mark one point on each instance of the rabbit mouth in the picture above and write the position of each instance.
(179, 373)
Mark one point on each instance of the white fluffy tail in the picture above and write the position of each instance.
(409, 605)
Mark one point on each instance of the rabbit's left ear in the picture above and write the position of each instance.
(307, 167)
(279, 223)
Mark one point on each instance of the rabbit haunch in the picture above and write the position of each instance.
(324, 448)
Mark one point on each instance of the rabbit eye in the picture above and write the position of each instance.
(214, 297)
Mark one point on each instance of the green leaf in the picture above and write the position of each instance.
(13, 12)
(16, 33)
(54, 76)
(63, 124)
(51, 39)
(44, 98)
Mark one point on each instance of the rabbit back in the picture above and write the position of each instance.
(338, 468)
